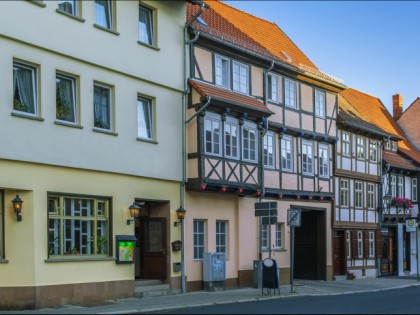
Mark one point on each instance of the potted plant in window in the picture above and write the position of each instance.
(101, 242)
(62, 105)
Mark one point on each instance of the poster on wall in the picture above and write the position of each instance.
(125, 246)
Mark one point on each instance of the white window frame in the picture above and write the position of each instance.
(279, 236)
(233, 146)
(101, 20)
(290, 96)
(400, 186)
(320, 103)
(73, 99)
(264, 236)
(251, 147)
(212, 121)
(388, 144)
(146, 27)
(273, 87)
(145, 121)
(269, 150)
(373, 151)
(344, 192)
(358, 194)
(348, 245)
(222, 71)
(72, 10)
(307, 157)
(414, 192)
(359, 244)
(371, 244)
(393, 185)
(287, 153)
(100, 106)
(346, 144)
(34, 84)
(240, 77)
(324, 160)
(371, 196)
(360, 150)
(199, 242)
(222, 236)
(394, 146)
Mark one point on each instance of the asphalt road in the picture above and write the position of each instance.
(398, 301)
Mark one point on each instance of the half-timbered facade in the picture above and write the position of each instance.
(261, 126)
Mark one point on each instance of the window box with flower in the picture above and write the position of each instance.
(406, 203)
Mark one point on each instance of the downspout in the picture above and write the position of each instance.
(184, 140)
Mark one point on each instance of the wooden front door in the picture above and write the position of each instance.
(154, 253)
(339, 253)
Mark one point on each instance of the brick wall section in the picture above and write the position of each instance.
(397, 105)
(410, 124)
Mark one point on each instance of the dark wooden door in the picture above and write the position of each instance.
(339, 253)
(154, 249)
(305, 260)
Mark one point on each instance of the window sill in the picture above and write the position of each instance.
(28, 116)
(147, 140)
(38, 3)
(4, 261)
(280, 250)
(108, 132)
(77, 259)
(149, 46)
(75, 17)
(67, 124)
(106, 29)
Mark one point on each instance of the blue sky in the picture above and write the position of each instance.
(374, 46)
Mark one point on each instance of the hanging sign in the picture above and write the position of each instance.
(411, 225)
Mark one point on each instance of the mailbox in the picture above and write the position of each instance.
(176, 246)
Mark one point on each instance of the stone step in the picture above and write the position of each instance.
(144, 282)
(151, 288)
(340, 278)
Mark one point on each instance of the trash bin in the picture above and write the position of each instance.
(257, 274)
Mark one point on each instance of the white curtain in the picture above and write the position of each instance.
(25, 86)
(145, 26)
(103, 13)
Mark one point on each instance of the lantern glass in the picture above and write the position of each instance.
(180, 213)
(134, 210)
(17, 203)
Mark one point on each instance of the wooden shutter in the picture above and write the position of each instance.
(378, 244)
(366, 244)
(354, 253)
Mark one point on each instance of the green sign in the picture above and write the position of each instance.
(125, 249)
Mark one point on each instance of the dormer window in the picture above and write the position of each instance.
(394, 146)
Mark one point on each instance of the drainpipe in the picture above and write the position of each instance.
(184, 140)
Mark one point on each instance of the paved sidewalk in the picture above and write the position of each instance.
(203, 298)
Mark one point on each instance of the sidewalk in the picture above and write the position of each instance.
(203, 298)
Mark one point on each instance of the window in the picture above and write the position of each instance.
(319, 104)
(394, 145)
(25, 89)
(348, 244)
(199, 238)
(414, 189)
(360, 148)
(65, 98)
(346, 144)
(344, 192)
(1, 227)
(400, 188)
(68, 6)
(289, 93)
(222, 71)
(393, 187)
(273, 87)
(249, 143)
(264, 236)
(358, 194)
(240, 77)
(324, 161)
(307, 158)
(146, 26)
(221, 237)
(373, 151)
(387, 145)
(212, 134)
(359, 244)
(286, 153)
(279, 235)
(104, 13)
(231, 138)
(102, 107)
(78, 225)
(371, 244)
(371, 196)
(269, 150)
(144, 118)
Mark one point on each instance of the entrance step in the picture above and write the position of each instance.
(340, 278)
(147, 288)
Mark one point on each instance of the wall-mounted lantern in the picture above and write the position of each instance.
(134, 213)
(17, 206)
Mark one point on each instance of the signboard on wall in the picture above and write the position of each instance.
(125, 246)
(411, 225)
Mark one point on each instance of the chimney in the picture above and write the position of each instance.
(397, 105)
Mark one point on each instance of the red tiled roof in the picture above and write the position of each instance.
(227, 96)
(397, 159)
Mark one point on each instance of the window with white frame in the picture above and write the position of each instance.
(240, 77)
(269, 149)
(221, 236)
(324, 160)
(371, 244)
(199, 239)
(345, 147)
(273, 87)
(360, 148)
(146, 34)
(249, 142)
(65, 97)
(104, 15)
(344, 192)
(348, 244)
(414, 192)
(78, 225)
(394, 145)
(222, 66)
(286, 153)
(279, 235)
(290, 93)
(373, 151)
(307, 158)
(231, 129)
(102, 106)
(358, 194)
(388, 144)
(25, 88)
(144, 118)
(319, 104)
(264, 236)
(212, 124)
(359, 244)
(68, 6)
(393, 184)
(400, 188)
(371, 196)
